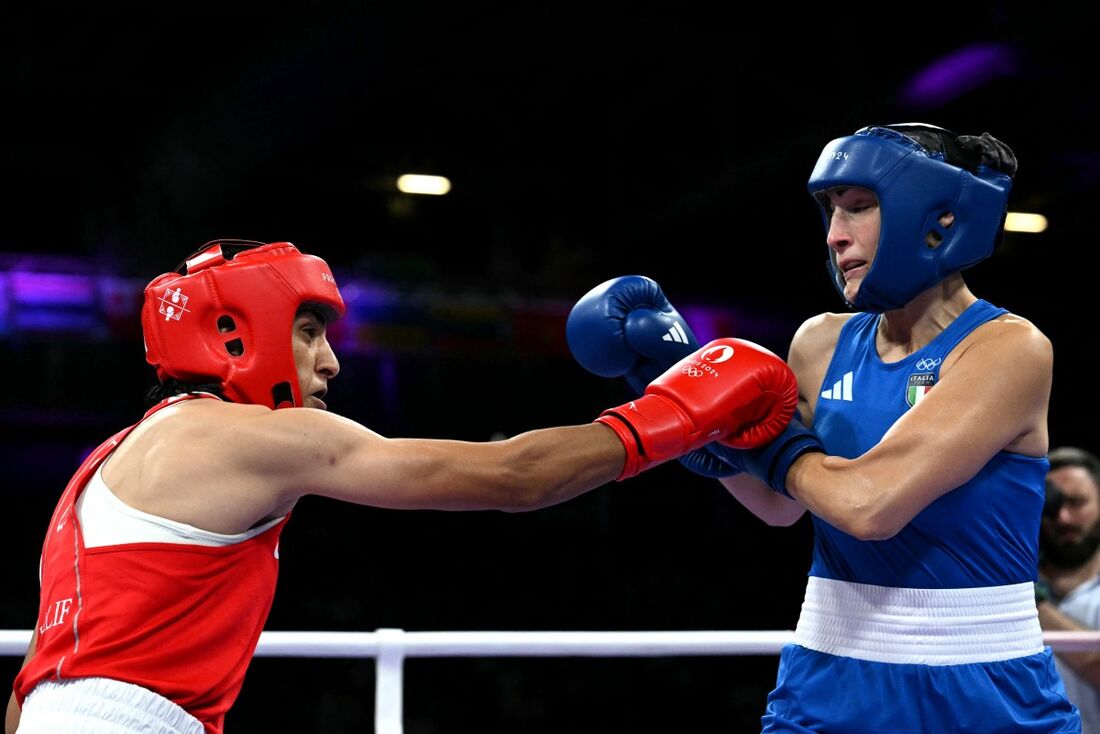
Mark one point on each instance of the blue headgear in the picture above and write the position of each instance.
(916, 184)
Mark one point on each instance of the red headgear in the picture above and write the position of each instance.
(226, 314)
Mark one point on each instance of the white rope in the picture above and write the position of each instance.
(392, 646)
(535, 644)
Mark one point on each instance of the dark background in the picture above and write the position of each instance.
(584, 141)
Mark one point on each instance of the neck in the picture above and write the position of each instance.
(1064, 580)
(903, 331)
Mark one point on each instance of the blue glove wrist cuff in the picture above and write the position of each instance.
(771, 463)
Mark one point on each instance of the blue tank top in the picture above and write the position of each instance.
(984, 533)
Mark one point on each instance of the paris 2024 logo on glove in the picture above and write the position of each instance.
(702, 364)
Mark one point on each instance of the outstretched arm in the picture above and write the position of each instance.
(257, 462)
(727, 390)
(531, 470)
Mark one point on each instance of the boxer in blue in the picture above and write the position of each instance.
(920, 453)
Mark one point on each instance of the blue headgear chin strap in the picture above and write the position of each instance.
(915, 188)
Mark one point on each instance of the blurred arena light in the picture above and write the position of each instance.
(416, 183)
(1025, 222)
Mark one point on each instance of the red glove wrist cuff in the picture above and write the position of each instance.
(652, 429)
(626, 434)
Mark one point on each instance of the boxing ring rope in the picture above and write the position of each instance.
(390, 647)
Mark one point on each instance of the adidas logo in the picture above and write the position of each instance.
(676, 334)
(841, 389)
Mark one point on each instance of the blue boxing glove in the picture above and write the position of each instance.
(769, 463)
(715, 461)
(626, 327)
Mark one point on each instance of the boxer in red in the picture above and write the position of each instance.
(160, 562)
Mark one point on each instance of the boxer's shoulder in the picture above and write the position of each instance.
(816, 338)
(1007, 338)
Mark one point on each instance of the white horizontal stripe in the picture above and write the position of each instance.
(926, 626)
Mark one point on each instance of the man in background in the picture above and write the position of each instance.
(1068, 592)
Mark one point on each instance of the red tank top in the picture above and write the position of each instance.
(180, 620)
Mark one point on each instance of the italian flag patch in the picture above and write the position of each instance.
(918, 387)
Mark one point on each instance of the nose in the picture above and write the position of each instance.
(327, 364)
(839, 235)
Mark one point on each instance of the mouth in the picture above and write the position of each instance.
(853, 268)
(317, 399)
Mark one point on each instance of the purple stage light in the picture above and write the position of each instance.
(959, 72)
(52, 289)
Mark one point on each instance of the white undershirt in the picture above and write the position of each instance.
(107, 520)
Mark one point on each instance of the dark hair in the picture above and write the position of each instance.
(964, 151)
(172, 387)
(1072, 456)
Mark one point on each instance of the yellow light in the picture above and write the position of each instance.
(1021, 222)
(415, 183)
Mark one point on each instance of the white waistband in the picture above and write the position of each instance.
(926, 626)
(102, 706)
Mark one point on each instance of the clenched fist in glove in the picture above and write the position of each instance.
(731, 390)
(625, 327)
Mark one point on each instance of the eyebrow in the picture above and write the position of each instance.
(311, 311)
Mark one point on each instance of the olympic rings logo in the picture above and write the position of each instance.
(929, 364)
(692, 371)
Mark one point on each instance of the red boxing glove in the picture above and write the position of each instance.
(731, 390)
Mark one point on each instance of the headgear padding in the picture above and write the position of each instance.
(916, 184)
(225, 315)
